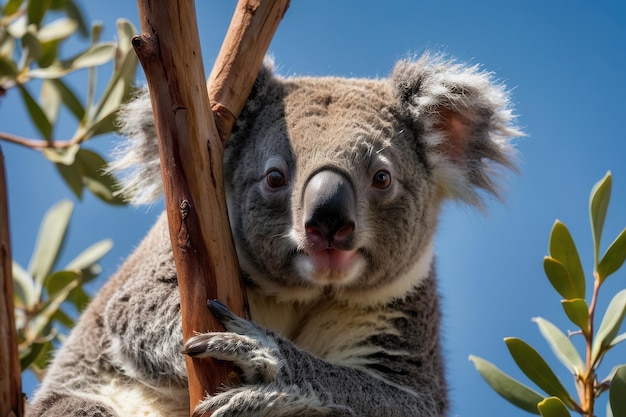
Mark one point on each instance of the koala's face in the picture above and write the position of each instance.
(335, 184)
(329, 187)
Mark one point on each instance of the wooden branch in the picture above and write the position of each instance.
(250, 32)
(11, 397)
(191, 151)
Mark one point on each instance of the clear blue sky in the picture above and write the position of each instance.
(564, 62)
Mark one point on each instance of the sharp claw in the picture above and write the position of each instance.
(193, 348)
(220, 311)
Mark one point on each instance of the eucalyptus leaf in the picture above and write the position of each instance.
(8, 69)
(617, 392)
(125, 33)
(36, 11)
(563, 249)
(37, 325)
(49, 241)
(512, 390)
(79, 298)
(23, 287)
(50, 100)
(65, 156)
(613, 258)
(70, 99)
(578, 312)
(598, 205)
(91, 255)
(11, 7)
(553, 407)
(49, 54)
(610, 325)
(118, 87)
(31, 47)
(99, 182)
(37, 115)
(28, 356)
(59, 281)
(95, 55)
(63, 318)
(72, 176)
(537, 369)
(561, 345)
(58, 29)
(618, 339)
(74, 13)
(560, 278)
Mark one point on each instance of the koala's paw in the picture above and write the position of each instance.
(268, 367)
(269, 401)
(251, 348)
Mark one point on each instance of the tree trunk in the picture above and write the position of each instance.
(11, 397)
(191, 150)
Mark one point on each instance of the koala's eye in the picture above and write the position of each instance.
(275, 178)
(382, 179)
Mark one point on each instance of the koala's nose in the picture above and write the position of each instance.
(329, 208)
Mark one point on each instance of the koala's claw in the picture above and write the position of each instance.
(221, 311)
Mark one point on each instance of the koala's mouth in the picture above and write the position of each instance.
(332, 259)
(330, 266)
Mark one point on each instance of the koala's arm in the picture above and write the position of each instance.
(123, 357)
(397, 372)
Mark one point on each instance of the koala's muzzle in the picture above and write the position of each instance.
(329, 209)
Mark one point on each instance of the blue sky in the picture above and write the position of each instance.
(564, 62)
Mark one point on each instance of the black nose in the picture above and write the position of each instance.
(329, 205)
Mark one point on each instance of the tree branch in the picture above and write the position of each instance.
(11, 397)
(191, 152)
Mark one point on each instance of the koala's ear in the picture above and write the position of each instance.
(463, 119)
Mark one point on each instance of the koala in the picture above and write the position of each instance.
(334, 187)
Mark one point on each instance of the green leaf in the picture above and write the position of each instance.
(57, 282)
(560, 279)
(50, 100)
(598, 205)
(73, 11)
(31, 47)
(23, 287)
(610, 325)
(617, 392)
(63, 318)
(8, 69)
(561, 345)
(510, 389)
(65, 156)
(49, 53)
(100, 183)
(95, 55)
(72, 176)
(36, 11)
(39, 323)
(58, 29)
(69, 99)
(563, 249)
(613, 258)
(536, 368)
(91, 255)
(49, 241)
(11, 7)
(553, 407)
(79, 297)
(30, 355)
(618, 339)
(36, 114)
(578, 312)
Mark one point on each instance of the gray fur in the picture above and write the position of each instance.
(345, 312)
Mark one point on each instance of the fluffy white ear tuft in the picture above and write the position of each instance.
(464, 119)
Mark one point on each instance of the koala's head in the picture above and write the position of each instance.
(335, 184)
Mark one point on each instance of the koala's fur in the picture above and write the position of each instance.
(334, 188)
